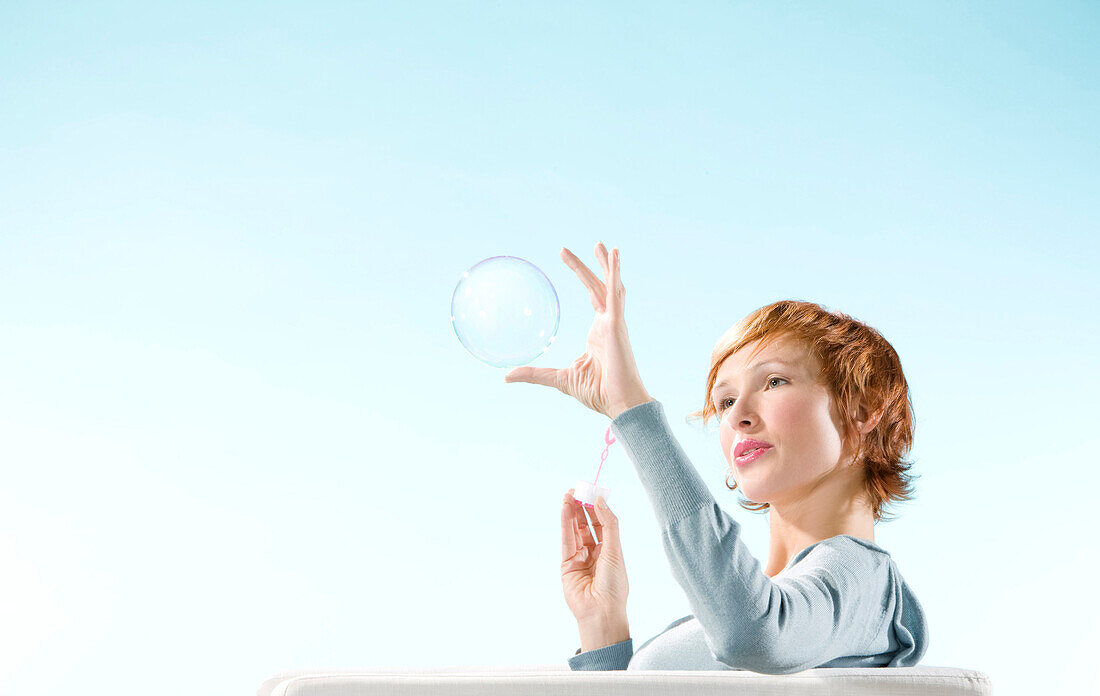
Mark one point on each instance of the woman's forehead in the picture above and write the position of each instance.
(783, 351)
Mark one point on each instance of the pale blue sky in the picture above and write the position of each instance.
(238, 433)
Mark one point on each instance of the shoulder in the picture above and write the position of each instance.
(845, 554)
(856, 546)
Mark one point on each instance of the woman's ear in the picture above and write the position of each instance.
(865, 421)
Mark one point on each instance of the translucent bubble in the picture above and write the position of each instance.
(505, 311)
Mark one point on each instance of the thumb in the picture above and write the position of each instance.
(546, 376)
(610, 524)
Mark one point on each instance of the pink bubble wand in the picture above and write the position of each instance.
(586, 492)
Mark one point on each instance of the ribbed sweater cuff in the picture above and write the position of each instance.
(674, 486)
(609, 657)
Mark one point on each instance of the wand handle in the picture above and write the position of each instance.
(609, 439)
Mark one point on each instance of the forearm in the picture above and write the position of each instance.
(601, 633)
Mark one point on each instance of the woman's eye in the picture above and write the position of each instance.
(722, 404)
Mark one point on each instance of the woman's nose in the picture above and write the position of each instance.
(736, 415)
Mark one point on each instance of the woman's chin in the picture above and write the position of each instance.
(752, 491)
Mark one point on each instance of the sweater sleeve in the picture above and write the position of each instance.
(609, 657)
(749, 621)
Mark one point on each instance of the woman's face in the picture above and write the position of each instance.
(778, 399)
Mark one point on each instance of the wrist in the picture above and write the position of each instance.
(600, 633)
(616, 409)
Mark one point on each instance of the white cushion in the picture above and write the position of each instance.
(559, 680)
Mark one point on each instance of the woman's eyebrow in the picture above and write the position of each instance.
(754, 368)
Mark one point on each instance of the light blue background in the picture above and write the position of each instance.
(238, 434)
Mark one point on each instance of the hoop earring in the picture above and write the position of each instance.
(728, 481)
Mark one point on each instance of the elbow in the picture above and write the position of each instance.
(762, 657)
(747, 654)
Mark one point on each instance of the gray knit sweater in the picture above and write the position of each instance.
(840, 602)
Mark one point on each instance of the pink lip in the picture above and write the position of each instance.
(751, 456)
(747, 444)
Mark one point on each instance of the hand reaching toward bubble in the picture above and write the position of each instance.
(605, 378)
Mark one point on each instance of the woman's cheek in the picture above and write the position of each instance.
(726, 436)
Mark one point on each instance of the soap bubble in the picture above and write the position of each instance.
(505, 311)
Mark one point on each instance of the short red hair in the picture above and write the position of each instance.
(859, 367)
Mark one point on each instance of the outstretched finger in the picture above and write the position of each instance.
(601, 256)
(615, 296)
(596, 289)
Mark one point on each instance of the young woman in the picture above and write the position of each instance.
(815, 417)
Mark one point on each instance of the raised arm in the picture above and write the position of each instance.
(749, 620)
